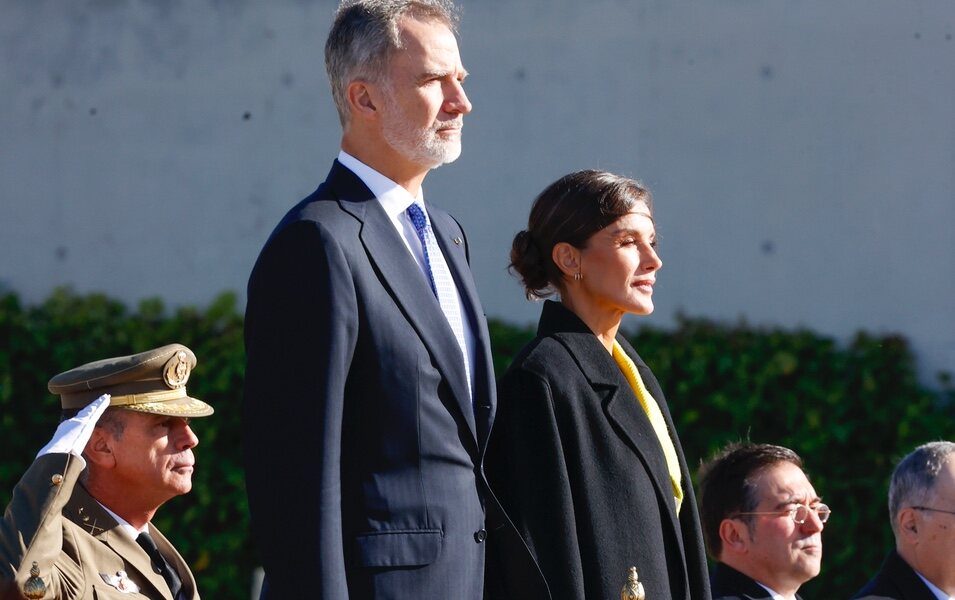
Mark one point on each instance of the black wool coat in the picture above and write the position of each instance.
(580, 473)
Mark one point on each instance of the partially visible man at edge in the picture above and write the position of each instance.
(922, 514)
(78, 526)
(369, 382)
(762, 522)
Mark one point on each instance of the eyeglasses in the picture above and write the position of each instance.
(800, 512)
(948, 512)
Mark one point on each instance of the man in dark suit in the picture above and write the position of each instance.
(922, 514)
(762, 522)
(369, 385)
(78, 526)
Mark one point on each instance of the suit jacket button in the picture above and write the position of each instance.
(480, 535)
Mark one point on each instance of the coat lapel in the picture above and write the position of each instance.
(401, 276)
(87, 513)
(631, 423)
(620, 404)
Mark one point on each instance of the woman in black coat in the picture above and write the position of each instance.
(583, 455)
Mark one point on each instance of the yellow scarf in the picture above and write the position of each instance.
(652, 409)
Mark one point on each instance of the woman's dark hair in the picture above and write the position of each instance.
(571, 209)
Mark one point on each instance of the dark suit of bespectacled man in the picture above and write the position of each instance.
(369, 383)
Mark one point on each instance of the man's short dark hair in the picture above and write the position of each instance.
(728, 485)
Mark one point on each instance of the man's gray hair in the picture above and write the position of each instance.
(365, 34)
(913, 481)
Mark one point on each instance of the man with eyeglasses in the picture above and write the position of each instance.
(922, 514)
(762, 522)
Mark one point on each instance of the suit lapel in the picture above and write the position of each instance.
(905, 578)
(451, 240)
(87, 513)
(727, 582)
(399, 273)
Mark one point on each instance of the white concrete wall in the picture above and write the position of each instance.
(802, 154)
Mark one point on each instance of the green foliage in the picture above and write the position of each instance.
(850, 410)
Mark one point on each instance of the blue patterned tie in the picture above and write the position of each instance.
(442, 284)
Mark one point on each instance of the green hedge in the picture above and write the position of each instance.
(851, 410)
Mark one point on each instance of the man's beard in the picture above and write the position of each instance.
(421, 145)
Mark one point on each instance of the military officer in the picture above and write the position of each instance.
(78, 525)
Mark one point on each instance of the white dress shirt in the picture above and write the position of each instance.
(771, 592)
(941, 595)
(124, 524)
(395, 200)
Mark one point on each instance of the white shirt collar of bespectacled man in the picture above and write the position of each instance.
(934, 588)
(771, 592)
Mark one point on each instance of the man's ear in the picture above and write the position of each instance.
(734, 535)
(907, 523)
(567, 258)
(362, 99)
(100, 449)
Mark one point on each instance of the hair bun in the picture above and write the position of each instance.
(528, 263)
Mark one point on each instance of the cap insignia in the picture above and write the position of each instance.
(176, 371)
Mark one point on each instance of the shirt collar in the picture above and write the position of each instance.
(393, 198)
(124, 524)
(772, 592)
(941, 595)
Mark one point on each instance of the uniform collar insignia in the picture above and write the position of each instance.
(121, 582)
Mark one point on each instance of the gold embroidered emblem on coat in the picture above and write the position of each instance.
(633, 589)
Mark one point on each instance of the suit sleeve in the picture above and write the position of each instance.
(528, 472)
(32, 530)
(301, 327)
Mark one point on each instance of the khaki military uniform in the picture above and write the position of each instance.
(56, 541)
(79, 550)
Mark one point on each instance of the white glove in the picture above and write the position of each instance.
(72, 434)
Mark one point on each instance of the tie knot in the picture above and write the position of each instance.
(147, 543)
(417, 216)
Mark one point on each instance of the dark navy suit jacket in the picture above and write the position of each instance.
(895, 581)
(362, 447)
(729, 584)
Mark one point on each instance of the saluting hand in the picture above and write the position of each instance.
(72, 434)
